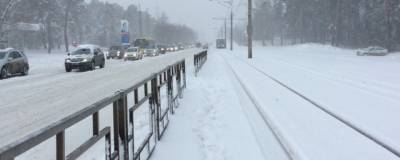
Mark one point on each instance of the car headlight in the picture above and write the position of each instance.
(126, 55)
(85, 60)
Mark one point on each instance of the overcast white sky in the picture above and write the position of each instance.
(197, 14)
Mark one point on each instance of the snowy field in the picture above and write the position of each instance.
(49, 94)
(360, 91)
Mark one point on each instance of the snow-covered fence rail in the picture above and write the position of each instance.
(199, 60)
(172, 78)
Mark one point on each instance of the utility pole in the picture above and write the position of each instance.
(140, 21)
(250, 29)
(225, 30)
(231, 28)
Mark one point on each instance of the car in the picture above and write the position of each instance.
(373, 51)
(163, 49)
(181, 47)
(117, 52)
(170, 48)
(85, 57)
(151, 52)
(133, 53)
(13, 62)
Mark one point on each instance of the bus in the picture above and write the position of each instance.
(144, 43)
(221, 43)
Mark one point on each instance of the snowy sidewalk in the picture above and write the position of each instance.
(210, 123)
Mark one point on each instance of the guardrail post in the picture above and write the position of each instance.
(123, 124)
(155, 104)
(170, 89)
(121, 127)
(60, 147)
(95, 119)
(131, 115)
(108, 146)
(179, 80)
(184, 73)
(116, 127)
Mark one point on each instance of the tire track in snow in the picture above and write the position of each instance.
(359, 129)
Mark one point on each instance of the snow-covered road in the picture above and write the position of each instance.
(48, 94)
(360, 90)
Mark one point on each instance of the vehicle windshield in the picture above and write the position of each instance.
(2, 55)
(81, 51)
(114, 48)
(132, 49)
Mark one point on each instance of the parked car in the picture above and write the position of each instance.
(151, 52)
(117, 52)
(85, 57)
(133, 53)
(13, 62)
(372, 51)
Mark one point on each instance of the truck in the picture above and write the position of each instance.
(144, 43)
(221, 43)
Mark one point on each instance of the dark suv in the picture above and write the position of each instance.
(117, 52)
(13, 62)
(85, 57)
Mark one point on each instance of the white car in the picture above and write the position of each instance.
(372, 51)
(133, 53)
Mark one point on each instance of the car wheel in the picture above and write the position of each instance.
(25, 71)
(3, 73)
(92, 66)
(103, 64)
(68, 69)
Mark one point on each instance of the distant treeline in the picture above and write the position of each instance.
(347, 23)
(65, 21)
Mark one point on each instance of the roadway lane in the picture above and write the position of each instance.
(30, 103)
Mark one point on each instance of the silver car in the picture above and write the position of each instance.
(13, 62)
(151, 52)
(372, 51)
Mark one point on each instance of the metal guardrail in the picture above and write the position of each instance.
(199, 60)
(173, 77)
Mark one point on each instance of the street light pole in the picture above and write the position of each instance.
(250, 30)
(231, 29)
(140, 20)
(225, 30)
